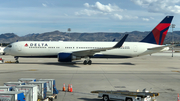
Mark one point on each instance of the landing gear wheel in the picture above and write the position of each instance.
(89, 62)
(105, 98)
(50, 99)
(17, 61)
(55, 97)
(85, 62)
(129, 99)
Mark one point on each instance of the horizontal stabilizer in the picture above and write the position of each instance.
(157, 48)
(161, 47)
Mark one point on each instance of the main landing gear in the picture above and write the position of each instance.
(87, 61)
(16, 58)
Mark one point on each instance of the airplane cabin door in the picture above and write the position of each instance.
(135, 48)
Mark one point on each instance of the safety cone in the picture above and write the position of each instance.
(71, 90)
(64, 89)
(178, 97)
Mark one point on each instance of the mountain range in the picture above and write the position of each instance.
(98, 36)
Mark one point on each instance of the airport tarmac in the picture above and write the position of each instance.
(159, 72)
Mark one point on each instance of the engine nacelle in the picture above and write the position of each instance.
(67, 57)
(76, 58)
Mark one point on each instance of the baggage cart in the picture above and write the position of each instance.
(12, 96)
(30, 92)
(42, 88)
(5, 88)
(126, 95)
(13, 83)
(26, 80)
(51, 88)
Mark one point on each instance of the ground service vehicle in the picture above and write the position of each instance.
(126, 95)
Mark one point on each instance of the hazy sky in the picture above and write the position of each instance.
(37, 16)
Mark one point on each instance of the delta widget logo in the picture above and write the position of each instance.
(26, 45)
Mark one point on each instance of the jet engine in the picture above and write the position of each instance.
(67, 57)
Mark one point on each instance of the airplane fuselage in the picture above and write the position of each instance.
(52, 48)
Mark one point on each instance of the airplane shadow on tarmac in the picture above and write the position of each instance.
(69, 64)
(75, 64)
(127, 63)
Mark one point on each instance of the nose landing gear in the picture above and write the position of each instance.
(16, 58)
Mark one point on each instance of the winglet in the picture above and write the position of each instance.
(120, 43)
(113, 39)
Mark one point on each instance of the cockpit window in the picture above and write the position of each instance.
(9, 46)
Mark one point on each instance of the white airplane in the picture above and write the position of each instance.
(67, 51)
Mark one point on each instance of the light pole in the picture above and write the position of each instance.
(69, 30)
(172, 26)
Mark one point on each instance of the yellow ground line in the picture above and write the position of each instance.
(175, 71)
(10, 62)
(32, 70)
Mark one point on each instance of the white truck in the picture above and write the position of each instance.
(126, 95)
(2, 50)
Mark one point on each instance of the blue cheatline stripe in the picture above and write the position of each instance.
(48, 56)
(109, 56)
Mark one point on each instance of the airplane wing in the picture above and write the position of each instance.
(93, 51)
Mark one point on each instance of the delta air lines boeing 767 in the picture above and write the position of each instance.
(67, 51)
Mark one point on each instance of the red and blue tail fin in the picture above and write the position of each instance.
(158, 34)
